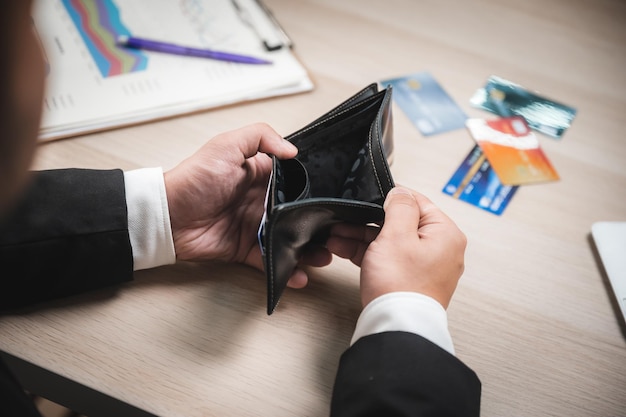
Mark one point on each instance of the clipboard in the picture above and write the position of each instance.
(260, 18)
(94, 84)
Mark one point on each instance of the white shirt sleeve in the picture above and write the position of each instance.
(148, 218)
(405, 311)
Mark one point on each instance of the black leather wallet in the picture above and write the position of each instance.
(341, 174)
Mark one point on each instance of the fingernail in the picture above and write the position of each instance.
(401, 190)
(289, 146)
(397, 191)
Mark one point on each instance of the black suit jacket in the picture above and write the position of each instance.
(69, 234)
(395, 374)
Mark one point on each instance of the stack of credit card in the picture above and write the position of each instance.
(506, 153)
(505, 98)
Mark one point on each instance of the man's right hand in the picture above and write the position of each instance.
(418, 249)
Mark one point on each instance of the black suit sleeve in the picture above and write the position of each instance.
(67, 235)
(14, 402)
(402, 374)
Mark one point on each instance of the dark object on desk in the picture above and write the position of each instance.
(341, 174)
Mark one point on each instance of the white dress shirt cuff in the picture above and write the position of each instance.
(148, 218)
(409, 312)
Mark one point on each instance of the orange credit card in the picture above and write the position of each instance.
(512, 150)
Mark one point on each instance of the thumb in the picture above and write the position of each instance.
(402, 212)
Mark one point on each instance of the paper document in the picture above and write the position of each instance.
(93, 83)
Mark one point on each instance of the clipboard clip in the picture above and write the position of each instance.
(259, 17)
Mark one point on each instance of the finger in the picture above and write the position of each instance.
(317, 256)
(260, 137)
(298, 279)
(355, 231)
(429, 212)
(254, 259)
(402, 212)
(436, 223)
(354, 250)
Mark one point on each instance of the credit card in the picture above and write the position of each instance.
(476, 183)
(506, 98)
(426, 103)
(512, 149)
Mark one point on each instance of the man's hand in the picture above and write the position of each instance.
(216, 198)
(418, 249)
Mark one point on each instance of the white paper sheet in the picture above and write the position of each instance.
(93, 84)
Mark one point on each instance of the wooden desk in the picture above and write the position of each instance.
(534, 314)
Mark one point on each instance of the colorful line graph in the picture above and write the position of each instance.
(99, 25)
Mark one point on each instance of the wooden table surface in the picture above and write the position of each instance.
(534, 314)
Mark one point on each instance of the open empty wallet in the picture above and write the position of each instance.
(341, 174)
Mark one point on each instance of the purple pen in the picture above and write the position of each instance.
(168, 48)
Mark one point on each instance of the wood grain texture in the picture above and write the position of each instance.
(534, 314)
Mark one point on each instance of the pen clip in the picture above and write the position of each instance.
(258, 17)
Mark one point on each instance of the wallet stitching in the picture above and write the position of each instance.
(380, 187)
(270, 250)
(356, 97)
(334, 202)
(377, 127)
(334, 116)
(360, 94)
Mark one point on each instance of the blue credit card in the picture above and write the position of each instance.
(476, 183)
(505, 98)
(426, 103)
